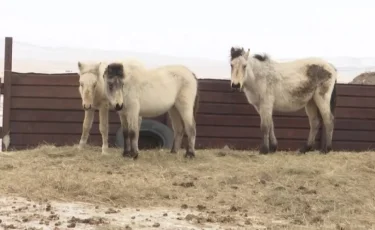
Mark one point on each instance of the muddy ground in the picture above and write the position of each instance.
(21, 213)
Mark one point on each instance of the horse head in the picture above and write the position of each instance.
(238, 64)
(88, 82)
(114, 77)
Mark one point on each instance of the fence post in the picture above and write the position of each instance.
(7, 86)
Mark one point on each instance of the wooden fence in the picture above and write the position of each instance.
(46, 108)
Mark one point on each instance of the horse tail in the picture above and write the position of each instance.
(334, 93)
(333, 67)
(196, 100)
(333, 98)
(332, 102)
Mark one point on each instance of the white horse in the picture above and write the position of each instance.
(91, 89)
(136, 91)
(286, 87)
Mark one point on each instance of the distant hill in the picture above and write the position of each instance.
(366, 78)
(32, 58)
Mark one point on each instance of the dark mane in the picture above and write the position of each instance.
(235, 53)
(115, 69)
(261, 57)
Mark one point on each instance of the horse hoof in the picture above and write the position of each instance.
(105, 151)
(81, 146)
(326, 150)
(135, 155)
(173, 151)
(189, 154)
(126, 154)
(264, 150)
(305, 148)
(273, 148)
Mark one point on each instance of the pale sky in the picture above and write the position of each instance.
(196, 28)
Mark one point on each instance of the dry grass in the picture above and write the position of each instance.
(335, 190)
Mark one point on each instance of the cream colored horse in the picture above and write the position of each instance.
(91, 89)
(137, 91)
(286, 87)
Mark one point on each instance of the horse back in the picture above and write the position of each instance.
(179, 74)
(315, 70)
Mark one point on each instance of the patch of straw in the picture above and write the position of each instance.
(312, 190)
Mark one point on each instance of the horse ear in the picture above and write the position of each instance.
(232, 50)
(80, 66)
(105, 71)
(247, 54)
(98, 68)
(123, 70)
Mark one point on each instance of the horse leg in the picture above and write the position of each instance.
(124, 125)
(314, 121)
(178, 128)
(86, 127)
(273, 139)
(188, 120)
(133, 132)
(266, 123)
(328, 119)
(103, 127)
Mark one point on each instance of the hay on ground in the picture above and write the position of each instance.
(309, 190)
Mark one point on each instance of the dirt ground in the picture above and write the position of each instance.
(63, 188)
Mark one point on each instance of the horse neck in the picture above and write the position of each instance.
(261, 70)
(99, 89)
(137, 75)
(258, 75)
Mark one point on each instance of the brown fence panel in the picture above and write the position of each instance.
(355, 118)
(46, 108)
(226, 118)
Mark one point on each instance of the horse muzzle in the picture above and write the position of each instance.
(119, 107)
(236, 87)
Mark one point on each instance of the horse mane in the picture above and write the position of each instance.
(134, 68)
(261, 57)
(236, 52)
(115, 69)
(133, 63)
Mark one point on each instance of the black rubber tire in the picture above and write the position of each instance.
(163, 132)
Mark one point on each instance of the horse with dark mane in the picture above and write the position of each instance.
(286, 87)
(136, 91)
(92, 92)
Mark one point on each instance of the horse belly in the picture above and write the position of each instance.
(288, 105)
(154, 108)
(158, 99)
